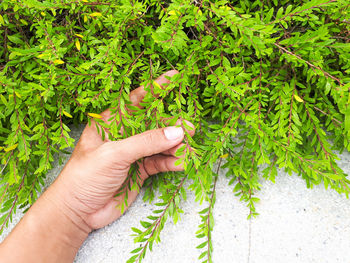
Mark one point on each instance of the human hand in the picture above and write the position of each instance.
(82, 197)
(97, 168)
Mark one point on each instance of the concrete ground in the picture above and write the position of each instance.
(295, 224)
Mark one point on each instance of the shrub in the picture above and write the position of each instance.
(265, 82)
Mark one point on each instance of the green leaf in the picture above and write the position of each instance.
(136, 250)
(202, 245)
(145, 224)
(279, 13)
(15, 39)
(179, 161)
(137, 231)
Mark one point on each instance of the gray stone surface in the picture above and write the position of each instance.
(295, 224)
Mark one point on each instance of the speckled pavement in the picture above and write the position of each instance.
(295, 224)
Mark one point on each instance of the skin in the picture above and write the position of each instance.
(82, 197)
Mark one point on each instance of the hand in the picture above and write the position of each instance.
(97, 169)
(82, 197)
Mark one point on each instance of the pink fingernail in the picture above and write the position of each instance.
(173, 133)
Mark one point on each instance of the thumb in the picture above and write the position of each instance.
(148, 143)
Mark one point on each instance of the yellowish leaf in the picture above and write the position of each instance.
(95, 14)
(43, 14)
(11, 148)
(41, 55)
(58, 62)
(77, 44)
(79, 35)
(2, 22)
(85, 19)
(18, 95)
(225, 8)
(95, 115)
(157, 84)
(67, 114)
(173, 13)
(224, 156)
(1, 148)
(297, 98)
(197, 11)
(24, 22)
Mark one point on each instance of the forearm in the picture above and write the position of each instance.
(49, 232)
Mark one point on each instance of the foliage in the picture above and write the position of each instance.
(266, 84)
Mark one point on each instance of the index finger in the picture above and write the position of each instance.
(90, 136)
(136, 96)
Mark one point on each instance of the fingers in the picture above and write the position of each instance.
(191, 132)
(148, 143)
(173, 150)
(160, 163)
(137, 95)
(110, 212)
(90, 138)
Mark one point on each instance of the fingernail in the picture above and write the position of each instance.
(173, 133)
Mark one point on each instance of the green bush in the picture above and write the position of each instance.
(266, 84)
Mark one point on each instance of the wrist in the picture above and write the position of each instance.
(77, 229)
(49, 232)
